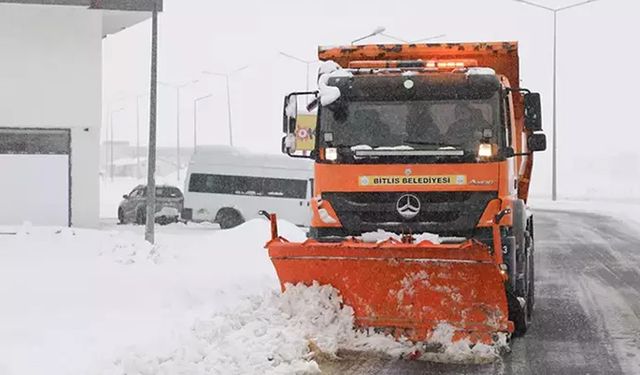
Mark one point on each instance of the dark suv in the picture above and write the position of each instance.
(169, 204)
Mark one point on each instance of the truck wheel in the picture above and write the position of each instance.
(120, 216)
(531, 274)
(520, 299)
(141, 216)
(228, 218)
(518, 313)
(519, 229)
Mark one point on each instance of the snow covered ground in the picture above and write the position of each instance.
(203, 300)
(627, 211)
(73, 298)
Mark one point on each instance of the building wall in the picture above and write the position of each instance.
(50, 76)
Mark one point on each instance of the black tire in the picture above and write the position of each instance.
(519, 228)
(141, 216)
(120, 216)
(229, 218)
(518, 314)
(521, 313)
(531, 274)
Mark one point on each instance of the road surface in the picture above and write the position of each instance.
(587, 316)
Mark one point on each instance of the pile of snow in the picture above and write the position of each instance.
(282, 334)
(381, 235)
(330, 69)
(199, 301)
(74, 297)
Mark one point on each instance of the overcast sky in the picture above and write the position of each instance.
(597, 71)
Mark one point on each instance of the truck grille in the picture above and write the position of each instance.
(445, 213)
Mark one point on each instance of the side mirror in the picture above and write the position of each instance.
(537, 142)
(299, 129)
(532, 112)
(289, 113)
(126, 196)
(288, 145)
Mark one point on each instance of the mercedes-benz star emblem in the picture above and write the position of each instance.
(408, 206)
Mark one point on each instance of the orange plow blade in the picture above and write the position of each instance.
(408, 288)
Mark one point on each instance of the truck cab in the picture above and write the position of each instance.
(413, 146)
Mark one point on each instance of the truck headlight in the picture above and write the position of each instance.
(331, 153)
(485, 150)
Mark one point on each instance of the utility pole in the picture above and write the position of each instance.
(149, 233)
(554, 149)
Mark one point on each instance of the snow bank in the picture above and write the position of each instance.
(200, 301)
(71, 297)
(381, 235)
(282, 334)
(626, 210)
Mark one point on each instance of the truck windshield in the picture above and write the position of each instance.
(422, 124)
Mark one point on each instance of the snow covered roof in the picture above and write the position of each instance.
(117, 15)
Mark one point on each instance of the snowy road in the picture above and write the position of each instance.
(587, 317)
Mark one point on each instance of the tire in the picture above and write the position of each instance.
(141, 216)
(229, 218)
(520, 313)
(519, 230)
(120, 216)
(531, 295)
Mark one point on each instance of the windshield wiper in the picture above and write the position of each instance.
(430, 143)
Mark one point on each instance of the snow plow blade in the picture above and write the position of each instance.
(407, 289)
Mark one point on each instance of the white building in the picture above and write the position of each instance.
(51, 106)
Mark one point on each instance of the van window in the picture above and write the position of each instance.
(247, 185)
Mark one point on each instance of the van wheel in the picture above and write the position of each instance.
(141, 216)
(228, 218)
(120, 216)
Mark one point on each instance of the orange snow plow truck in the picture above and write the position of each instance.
(423, 158)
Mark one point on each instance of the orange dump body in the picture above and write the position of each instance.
(409, 288)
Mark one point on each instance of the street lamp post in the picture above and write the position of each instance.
(138, 97)
(376, 31)
(554, 150)
(111, 140)
(226, 76)
(303, 61)
(178, 87)
(149, 232)
(402, 40)
(195, 118)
